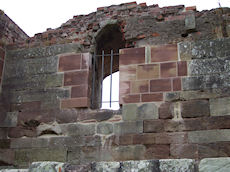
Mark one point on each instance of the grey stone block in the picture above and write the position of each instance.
(106, 166)
(143, 165)
(130, 127)
(214, 165)
(46, 166)
(42, 81)
(49, 95)
(214, 81)
(25, 67)
(77, 129)
(190, 22)
(43, 51)
(105, 128)
(177, 165)
(208, 66)
(220, 106)
(204, 49)
(11, 120)
(209, 136)
(135, 112)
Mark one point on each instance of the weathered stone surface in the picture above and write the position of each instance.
(46, 166)
(194, 108)
(78, 129)
(42, 81)
(220, 106)
(133, 112)
(197, 94)
(205, 82)
(208, 66)
(11, 120)
(51, 94)
(204, 49)
(53, 128)
(214, 165)
(184, 151)
(25, 67)
(25, 156)
(77, 168)
(123, 128)
(153, 126)
(157, 151)
(106, 166)
(177, 165)
(209, 136)
(7, 157)
(104, 128)
(43, 51)
(124, 153)
(190, 22)
(165, 111)
(143, 165)
(74, 141)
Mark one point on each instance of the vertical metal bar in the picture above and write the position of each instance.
(94, 70)
(111, 78)
(102, 73)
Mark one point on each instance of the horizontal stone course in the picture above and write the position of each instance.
(43, 51)
(209, 136)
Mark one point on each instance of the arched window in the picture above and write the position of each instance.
(105, 60)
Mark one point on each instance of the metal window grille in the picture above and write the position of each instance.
(102, 57)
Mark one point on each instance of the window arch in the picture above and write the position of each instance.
(106, 59)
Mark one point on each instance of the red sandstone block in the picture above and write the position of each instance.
(130, 99)
(158, 85)
(79, 91)
(128, 73)
(76, 78)
(182, 68)
(124, 88)
(70, 62)
(155, 34)
(75, 102)
(165, 111)
(184, 151)
(2, 53)
(156, 151)
(191, 8)
(142, 4)
(131, 3)
(153, 126)
(176, 84)
(100, 8)
(164, 53)
(170, 138)
(168, 69)
(152, 97)
(129, 59)
(144, 138)
(148, 71)
(132, 56)
(139, 86)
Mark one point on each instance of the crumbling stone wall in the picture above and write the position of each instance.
(171, 106)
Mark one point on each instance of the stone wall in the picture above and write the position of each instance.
(9, 33)
(174, 96)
